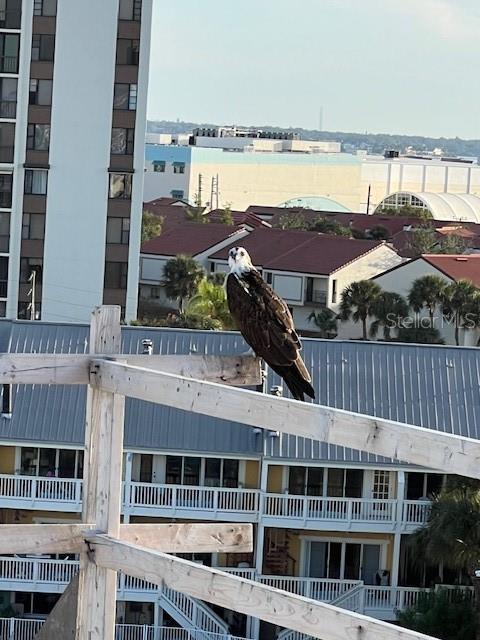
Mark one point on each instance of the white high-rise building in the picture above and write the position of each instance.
(73, 85)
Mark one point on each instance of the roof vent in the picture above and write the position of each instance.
(461, 259)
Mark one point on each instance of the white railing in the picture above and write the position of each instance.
(195, 612)
(26, 629)
(352, 599)
(316, 588)
(38, 492)
(339, 509)
(37, 571)
(179, 497)
(416, 511)
(391, 598)
(145, 498)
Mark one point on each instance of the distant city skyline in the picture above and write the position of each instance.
(382, 66)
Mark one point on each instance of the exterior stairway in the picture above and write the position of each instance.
(277, 560)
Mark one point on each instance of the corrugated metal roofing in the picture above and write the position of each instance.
(429, 386)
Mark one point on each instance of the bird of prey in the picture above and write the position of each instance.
(266, 323)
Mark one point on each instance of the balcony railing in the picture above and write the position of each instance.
(27, 628)
(36, 574)
(305, 508)
(241, 505)
(322, 589)
(143, 497)
(316, 298)
(8, 109)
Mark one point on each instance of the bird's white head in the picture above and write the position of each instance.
(239, 261)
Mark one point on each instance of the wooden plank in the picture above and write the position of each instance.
(169, 538)
(278, 607)
(102, 485)
(43, 538)
(68, 368)
(416, 445)
(60, 624)
(44, 368)
(185, 538)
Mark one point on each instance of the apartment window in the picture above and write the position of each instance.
(183, 470)
(27, 265)
(36, 182)
(25, 311)
(33, 226)
(128, 51)
(122, 141)
(381, 485)
(130, 10)
(8, 97)
(120, 186)
(40, 92)
(7, 137)
(9, 44)
(116, 275)
(305, 481)
(4, 231)
(38, 137)
(334, 291)
(178, 167)
(125, 96)
(221, 472)
(5, 190)
(118, 230)
(345, 483)
(422, 485)
(44, 7)
(43, 47)
(177, 193)
(159, 166)
(3, 276)
(10, 14)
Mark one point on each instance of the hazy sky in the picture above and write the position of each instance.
(395, 66)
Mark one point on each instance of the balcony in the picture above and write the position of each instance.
(8, 64)
(8, 109)
(316, 298)
(220, 503)
(179, 501)
(336, 514)
(27, 628)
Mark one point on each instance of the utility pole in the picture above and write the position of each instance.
(368, 198)
(200, 180)
(216, 192)
(31, 293)
(212, 189)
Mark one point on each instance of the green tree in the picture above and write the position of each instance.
(452, 533)
(225, 215)
(326, 322)
(217, 277)
(427, 292)
(406, 211)
(448, 615)
(379, 232)
(210, 301)
(419, 335)
(425, 239)
(181, 277)
(330, 227)
(292, 220)
(358, 301)
(459, 304)
(452, 244)
(388, 309)
(151, 225)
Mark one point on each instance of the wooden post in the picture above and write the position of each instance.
(102, 485)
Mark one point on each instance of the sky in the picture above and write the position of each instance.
(382, 66)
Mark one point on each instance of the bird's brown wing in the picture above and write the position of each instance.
(264, 320)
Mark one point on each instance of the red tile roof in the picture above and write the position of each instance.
(190, 239)
(300, 251)
(457, 267)
(239, 217)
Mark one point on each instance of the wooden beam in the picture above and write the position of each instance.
(43, 538)
(186, 538)
(102, 488)
(425, 447)
(68, 368)
(278, 607)
(169, 538)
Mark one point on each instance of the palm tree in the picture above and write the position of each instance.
(427, 291)
(210, 301)
(181, 277)
(357, 302)
(389, 308)
(452, 534)
(460, 299)
(326, 321)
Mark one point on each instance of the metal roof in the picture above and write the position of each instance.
(430, 386)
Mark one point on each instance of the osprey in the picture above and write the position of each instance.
(266, 323)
